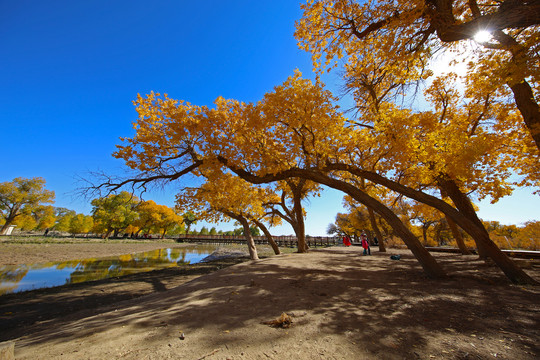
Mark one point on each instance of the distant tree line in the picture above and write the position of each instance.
(23, 203)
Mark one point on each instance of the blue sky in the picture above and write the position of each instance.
(69, 71)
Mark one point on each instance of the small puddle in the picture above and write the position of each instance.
(17, 278)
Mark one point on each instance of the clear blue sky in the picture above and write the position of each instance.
(69, 71)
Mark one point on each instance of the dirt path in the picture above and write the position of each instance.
(343, 306)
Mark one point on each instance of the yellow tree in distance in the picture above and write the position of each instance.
(22, 196)
(156, 218)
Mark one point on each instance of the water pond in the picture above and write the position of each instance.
(17, 278)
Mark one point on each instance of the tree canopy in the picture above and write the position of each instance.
(464, 143)
(115, 212)
(22, 195)
(401, 37)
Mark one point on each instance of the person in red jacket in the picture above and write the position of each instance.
(365, 244)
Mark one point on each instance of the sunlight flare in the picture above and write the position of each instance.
(482, 36)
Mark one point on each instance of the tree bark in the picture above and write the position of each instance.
(529, 108)
(269, 236)
(247, 233)
(251, 244)
(481, 236)
(300, 228)
(376, 229)
(4, 228)
(13, 213)
(295, 217)
(428, 262)
(455, 230)
(464, 205)
(474, 228)
(457, 235)
(510, 14)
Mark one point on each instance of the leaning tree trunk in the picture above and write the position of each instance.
(481, 236)
(464, 205)
(251, 244)
(426, 260)
(247, 233)
(475, 230)
(529, 109)
(523, 93)
(269, 236)
(455, 230)
(376, 229)
(9, 220)
(457, 235)
(4, 228)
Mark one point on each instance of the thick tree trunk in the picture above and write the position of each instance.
(430, 266)
(299, 225)
(481, 236)
(4, 228)
(269, 236)
(529, 108)
(247, 233)
(9, 220)
(457, 235)
(301, 238)
(251, 244)
(376, 229)
(474, 229)
(465, 206)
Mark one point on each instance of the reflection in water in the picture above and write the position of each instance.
(36, 276)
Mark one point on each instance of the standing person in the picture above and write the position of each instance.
(346, 240)
(365, 244)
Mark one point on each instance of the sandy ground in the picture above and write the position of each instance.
(343, 306)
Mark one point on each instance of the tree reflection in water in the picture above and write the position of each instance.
(36, 276)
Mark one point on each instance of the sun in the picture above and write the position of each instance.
(482, 36)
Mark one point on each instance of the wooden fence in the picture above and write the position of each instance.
(289, 241)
